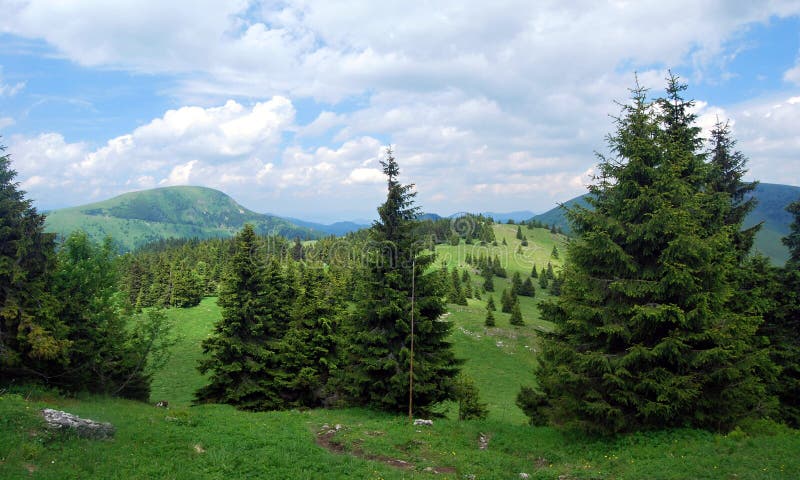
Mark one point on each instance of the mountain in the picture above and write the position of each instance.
(136, 218)
(517, 216)
(770, 209)
(338, 229)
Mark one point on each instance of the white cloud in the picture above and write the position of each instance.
(509, 99)
(365, 175)
(793, 75)
(6, 122)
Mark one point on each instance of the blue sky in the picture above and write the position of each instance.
(287, 106)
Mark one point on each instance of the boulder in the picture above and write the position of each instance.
(56, 419)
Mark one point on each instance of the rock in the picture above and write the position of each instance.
(524, 475)
(420, 421)
(483, 441)
(162, 404)
(56, 419)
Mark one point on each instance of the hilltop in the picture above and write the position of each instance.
(770, 209)
(137, 218)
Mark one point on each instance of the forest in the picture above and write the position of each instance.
(660, 316)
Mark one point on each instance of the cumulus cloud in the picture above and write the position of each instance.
(507, 99)
(793, 74)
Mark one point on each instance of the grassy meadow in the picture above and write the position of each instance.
(216, 441)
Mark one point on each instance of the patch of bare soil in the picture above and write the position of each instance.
(325, 439)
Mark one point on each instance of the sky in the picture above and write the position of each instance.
(288, 106)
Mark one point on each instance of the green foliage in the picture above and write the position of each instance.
(379, 345)
(516, 315)
(490, 304)
(107, 355)
(31, 335)
(644, 334)
(468, 399)
(309, 351)
(243, 354)
(183, 212)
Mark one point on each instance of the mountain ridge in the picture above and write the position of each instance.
(772, 199)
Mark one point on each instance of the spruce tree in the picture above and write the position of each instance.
(242, 355)
(489, 322)
(783, 324)
(534, 273)
(308, 351)
(643, 336)
(727, 170)
(506, 302)
(519, 232)
(490, 304)
(30, 334)
(379, 353)
(516, 315)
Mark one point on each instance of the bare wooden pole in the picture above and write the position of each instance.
(411, 369)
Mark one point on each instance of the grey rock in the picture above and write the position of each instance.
(58, 420)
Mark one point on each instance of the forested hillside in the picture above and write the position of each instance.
(138, 218)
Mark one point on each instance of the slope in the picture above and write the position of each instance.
(136, 218)
(770, 209)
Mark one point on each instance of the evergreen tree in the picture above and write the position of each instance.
(378, 371)
(102, 357)
(488, 281)
(554, 253)
(516, 315)
(534, 273)
(242, 355)
(516, 283)
(519, 232)
(643, 335)
(309, 348)
(728, 168)
(783, 323)
(466, 395)
(298, 253)
(489, 322)
(543, 282)
(30, 334)
(792, 240)
(527, 289)
(506, 301)
(490, 304)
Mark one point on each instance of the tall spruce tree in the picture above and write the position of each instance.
(643, 335)
(379, 354)
(242, 355)
(30, 334)
(728, 168)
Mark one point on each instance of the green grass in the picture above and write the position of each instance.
(216, 441)
(137, 218)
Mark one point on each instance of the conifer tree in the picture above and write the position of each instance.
(506, 302)
(308, 351)
(378, 370)
(30, 334)
(643, 335)
(519, 232)
(554, 253)
(516, 283)
(488, 281)
(516, 315)
(783, 324)
(527, 289)
(242, 355)
(534, 273)
(727, 170)
(489, 322)
(543, 282)
(490, 304)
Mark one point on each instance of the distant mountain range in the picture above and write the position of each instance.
(137, 218)
(771, 209)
